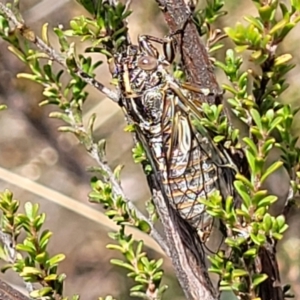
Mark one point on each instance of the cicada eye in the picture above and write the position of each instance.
(147, 63)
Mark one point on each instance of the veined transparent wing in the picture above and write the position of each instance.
(188, 165)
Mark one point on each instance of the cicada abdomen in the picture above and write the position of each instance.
(188, 165)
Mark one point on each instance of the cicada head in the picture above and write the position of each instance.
(138, 69)
(141, 73)
(131, 79)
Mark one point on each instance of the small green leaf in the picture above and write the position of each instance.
(243, 192)
(3, 107)
(296, 4)
(251, 161)
(28, 271)
(51, 277)
(55, 259)
(271, 169)
(267, 201)
(279, 25)
(256, 117)
(250, 252)
(267, 222)
(244, 180)
(45, 37)
(283, 228)
(257, 279)
(44, 239)
(39, 221)
(282, 59)
(117, 171)
(280, 221)
(18, 53)
(239, 273)
(26, 248)
(29, 210)
(159, 263)
(265, 11)
(42, 292)
(250, 143)
(268, 145)
(122, 264)
(7, 267)
(256, 239)
(41, 257)
(144, 226)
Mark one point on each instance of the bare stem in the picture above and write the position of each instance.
(117, 190)
(9, 245)
(30, 36)
(9, 293)
(53, 55)
(193, 51)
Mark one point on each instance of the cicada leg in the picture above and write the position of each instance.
(168, 44)
(196, 89)
(190, 107)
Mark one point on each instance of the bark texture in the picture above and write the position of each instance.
(200, 71)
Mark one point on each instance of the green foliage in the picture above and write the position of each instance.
(146, 273)
(254, 97)
(69, 99)
(106, 31)
(256, 73)
(139, 156)
(138, 152)
(205, 18)
(218, 124)
(29, 256)
(117, 207)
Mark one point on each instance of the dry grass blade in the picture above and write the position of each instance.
(73, 205)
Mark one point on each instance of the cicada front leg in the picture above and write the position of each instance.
(188, 106)
(197, 89)
(168, 44)
(194, 108)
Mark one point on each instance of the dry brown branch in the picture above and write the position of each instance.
(194, 54)
(200, 71)
(192, 275)
(9, 293)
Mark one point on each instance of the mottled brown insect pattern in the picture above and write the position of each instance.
(186, 163)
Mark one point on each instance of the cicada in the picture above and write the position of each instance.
(188, 165)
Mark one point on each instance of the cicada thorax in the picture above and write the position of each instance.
(188, 165)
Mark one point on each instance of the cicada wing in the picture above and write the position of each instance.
(217, 153)
(180, 145)
(189, 177)
(187, 233)
(205, 167)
